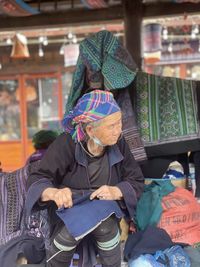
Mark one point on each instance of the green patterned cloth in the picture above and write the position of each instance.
(103, 63)
(166, 109)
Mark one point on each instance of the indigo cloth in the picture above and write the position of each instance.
(87, 214)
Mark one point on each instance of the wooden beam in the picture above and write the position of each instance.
(133, 24)
(169, 9)
(35, 65)
(60, 19)
(51, 62)
(80, 16)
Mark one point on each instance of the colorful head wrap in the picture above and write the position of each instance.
(90, 107)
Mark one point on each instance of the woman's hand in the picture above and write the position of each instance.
(106, 192)
(62, 197)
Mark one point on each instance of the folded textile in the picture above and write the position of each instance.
(87, 214)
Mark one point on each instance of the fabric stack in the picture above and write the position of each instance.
(168, 232)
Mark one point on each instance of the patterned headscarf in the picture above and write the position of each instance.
(90, 107)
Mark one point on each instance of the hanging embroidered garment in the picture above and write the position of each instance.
(167, 114)
(130, 129)
(103, 63)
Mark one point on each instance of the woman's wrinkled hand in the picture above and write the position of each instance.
(62, 197)
(106, 192)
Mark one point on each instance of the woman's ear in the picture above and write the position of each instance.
(89, 130)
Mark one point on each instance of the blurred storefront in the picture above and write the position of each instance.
(172, 46)
(34, 88)
(29, 103)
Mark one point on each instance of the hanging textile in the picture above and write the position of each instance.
(17, 8)
(103, 63)
(167, 113)
(130, 129)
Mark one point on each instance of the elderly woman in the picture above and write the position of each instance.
(90, 175)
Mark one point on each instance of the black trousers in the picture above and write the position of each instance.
(107, 240)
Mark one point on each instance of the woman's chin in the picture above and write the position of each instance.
(113, 142)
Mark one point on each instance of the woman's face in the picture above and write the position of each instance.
(108, 129)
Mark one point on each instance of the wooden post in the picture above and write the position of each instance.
(133, 26)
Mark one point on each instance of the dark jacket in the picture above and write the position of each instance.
(65, 165)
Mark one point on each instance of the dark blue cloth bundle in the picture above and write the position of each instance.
(86, 215)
